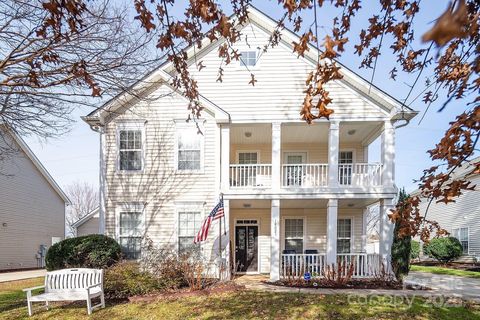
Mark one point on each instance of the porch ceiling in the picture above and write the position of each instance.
(304, 204)
(304, 133)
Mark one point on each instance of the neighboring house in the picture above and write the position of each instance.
(88, 224)
(290, 190)
(460, 218)
(32, 206)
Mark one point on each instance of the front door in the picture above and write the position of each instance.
(345, 167)
(246, 248)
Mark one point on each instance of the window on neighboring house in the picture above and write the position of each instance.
(130, 233)
(344, 235)
(248, 58)
(294, 235)
(130, 149)
(189, 145)
(189, 222)
(462, 235)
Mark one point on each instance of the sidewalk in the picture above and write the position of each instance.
(20, 275)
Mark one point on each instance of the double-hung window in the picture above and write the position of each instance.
(189, 148)
(462, 235)
(294, 235)
(248, 58)
(344, 235)
(130, 147)
(130, 227)
(189, 223)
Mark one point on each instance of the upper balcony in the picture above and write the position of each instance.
(308, 158)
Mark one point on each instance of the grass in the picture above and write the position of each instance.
(447, 271)
(238, 305)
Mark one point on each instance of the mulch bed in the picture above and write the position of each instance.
(352, 284)
(220, 287)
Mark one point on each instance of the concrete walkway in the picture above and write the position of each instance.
(462, 287)
(20, 275)
(465, 288)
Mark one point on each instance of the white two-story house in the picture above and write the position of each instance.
(295, 195)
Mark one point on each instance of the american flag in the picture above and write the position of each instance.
(215, 214)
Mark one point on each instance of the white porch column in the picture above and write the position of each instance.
(388, 154)
(333, 150)
(276, 155)
(386, 231)
(226, 208)
(103, 185)
(364, 229)
(332, 212)
(275, 241)
(225, 157)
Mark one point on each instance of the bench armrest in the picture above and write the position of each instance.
(33, 288)
(94, 285)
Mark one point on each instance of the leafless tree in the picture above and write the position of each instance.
(46, 71)
(84, 198)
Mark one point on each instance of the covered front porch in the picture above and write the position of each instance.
(286, 238)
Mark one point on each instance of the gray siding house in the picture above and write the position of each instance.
(460, 218)
(32, 206)
(88, 224)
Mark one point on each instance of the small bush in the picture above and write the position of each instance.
(415, 251)
(92, 251)
(126, 279)
(444, 249)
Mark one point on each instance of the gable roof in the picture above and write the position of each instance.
(85, 218)
(36, 162)
(461, 172)
(396, 109)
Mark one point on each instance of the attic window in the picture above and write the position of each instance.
(248, 58)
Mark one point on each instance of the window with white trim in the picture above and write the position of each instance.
(248, 58)
(344, 235)
(462, 235)
(130, 231)
(294, 235)
(247, 157)
(189, 223)
(130, 148)
(189, 148)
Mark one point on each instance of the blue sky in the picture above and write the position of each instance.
(75, 156)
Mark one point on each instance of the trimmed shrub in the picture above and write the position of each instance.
(415, 252)
(444, 249)
(92, 251)
(126, 279)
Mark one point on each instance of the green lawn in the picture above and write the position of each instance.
(448, 271)
(236, 305)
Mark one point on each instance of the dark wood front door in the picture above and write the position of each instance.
(246, 248)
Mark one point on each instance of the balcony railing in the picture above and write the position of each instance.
(360, 174)
(250, 175)
(296, 265)
(304, 175)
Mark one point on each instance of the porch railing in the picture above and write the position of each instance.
(295, 265)
(251, 175)
(360, 174)
(304, 175)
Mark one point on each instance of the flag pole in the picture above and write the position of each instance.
(220, 243)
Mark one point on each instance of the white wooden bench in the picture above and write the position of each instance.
(70, 285)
